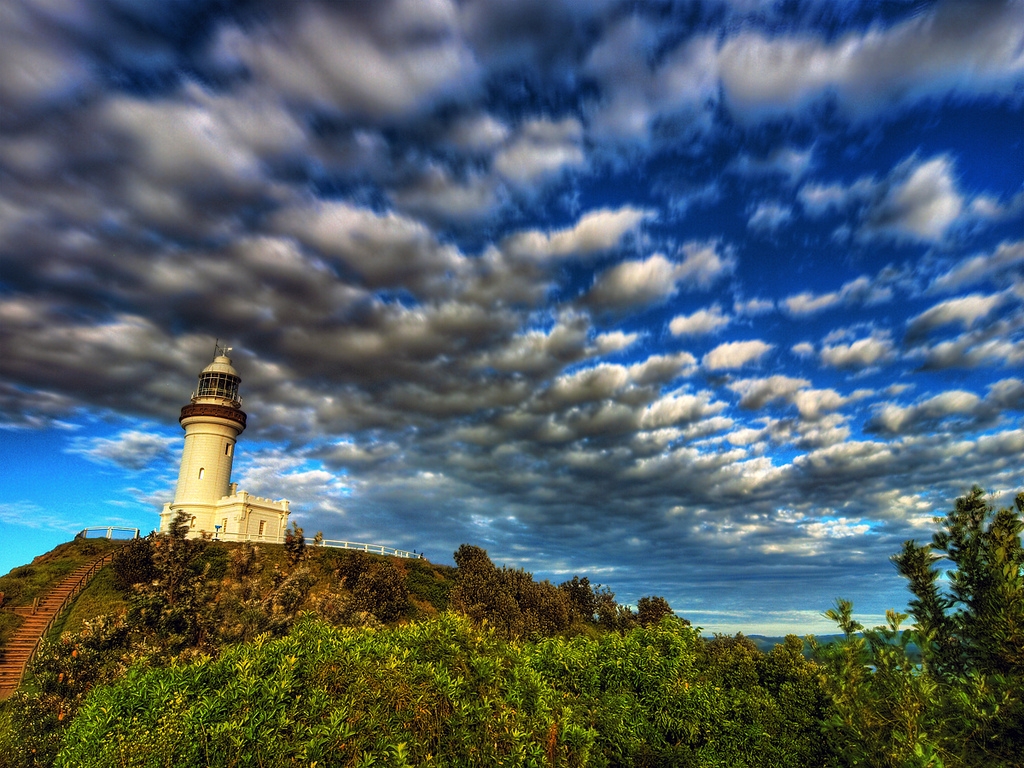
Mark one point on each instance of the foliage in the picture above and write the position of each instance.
(294, 544)
(381, 590)
(27, 582)
(9, 623)
(429, 583)
(173, 604)
(445, 692)
(227, 667)
(61, 675)
(881, 699)
(351, 565)
(651, 610)
(435, 693)
(581, 599)
(962, 706)
(507, 599)
(133, 564)
(99, 598)
(978, 624)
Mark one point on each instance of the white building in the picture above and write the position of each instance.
(212, 421)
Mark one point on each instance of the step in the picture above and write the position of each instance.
(37, 619)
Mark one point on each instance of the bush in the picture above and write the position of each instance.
(446, 693)
(133, 564)
(294, 544)
(381, 591)
(651, 610)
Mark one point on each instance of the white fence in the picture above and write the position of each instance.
(107, 532)
(376, 549)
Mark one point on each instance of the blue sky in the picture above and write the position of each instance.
(718, 301)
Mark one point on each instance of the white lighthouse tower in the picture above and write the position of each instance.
(212, 421)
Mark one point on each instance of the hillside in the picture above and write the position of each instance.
(25, 583)
(199, 653)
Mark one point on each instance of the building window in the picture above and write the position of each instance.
(202, 471)
(225, 525)
(227, 449)
(262, 524)
(193, 523)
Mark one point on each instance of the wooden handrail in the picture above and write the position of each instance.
(76, 590)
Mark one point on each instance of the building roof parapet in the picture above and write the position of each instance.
(247, 498)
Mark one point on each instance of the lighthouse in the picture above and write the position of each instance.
(214, 506)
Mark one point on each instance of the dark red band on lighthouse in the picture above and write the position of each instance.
(209, 409)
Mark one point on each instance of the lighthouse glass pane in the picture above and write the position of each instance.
(218, 385)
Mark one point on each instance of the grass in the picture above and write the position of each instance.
(98, 598)
(27, 582)
(9, 623)
(428, 583)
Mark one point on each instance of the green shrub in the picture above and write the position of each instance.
(381, 591)
(133, 564)
(433, 693)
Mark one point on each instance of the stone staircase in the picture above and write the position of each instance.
(38, 620)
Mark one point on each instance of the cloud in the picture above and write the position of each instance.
(862, 290)
(753, 307)
(756, 393)
(956, 410)
(920, 202)
(735, 354)
(478, 133)
(769, 216)
(635, 94)
(789, 162)
(595, 232)
(437, 194)
(990, 346)
(541, 148)
(382, 249)
(701, 322)
(966, 311)
(390, 61)
(635, 283)
(998, 266)
(967, 48)
(812, 404)
(131, 449)
(703, 265)
(917, 201)
(679, 408)
(656, 279)
(862, 353)
(395, 213)
(803, 349)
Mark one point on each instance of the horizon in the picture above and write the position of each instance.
(715, 301)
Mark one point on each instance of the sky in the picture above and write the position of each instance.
(719, 301)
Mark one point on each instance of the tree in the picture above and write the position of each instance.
(133, 564)
(978, 624)
(294, 544)
(962, 705)
(582, 602)
(481, 592)
(651, 610)
(381, 590)
(174, 602)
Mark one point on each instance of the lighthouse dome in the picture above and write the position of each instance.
(221, 364)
